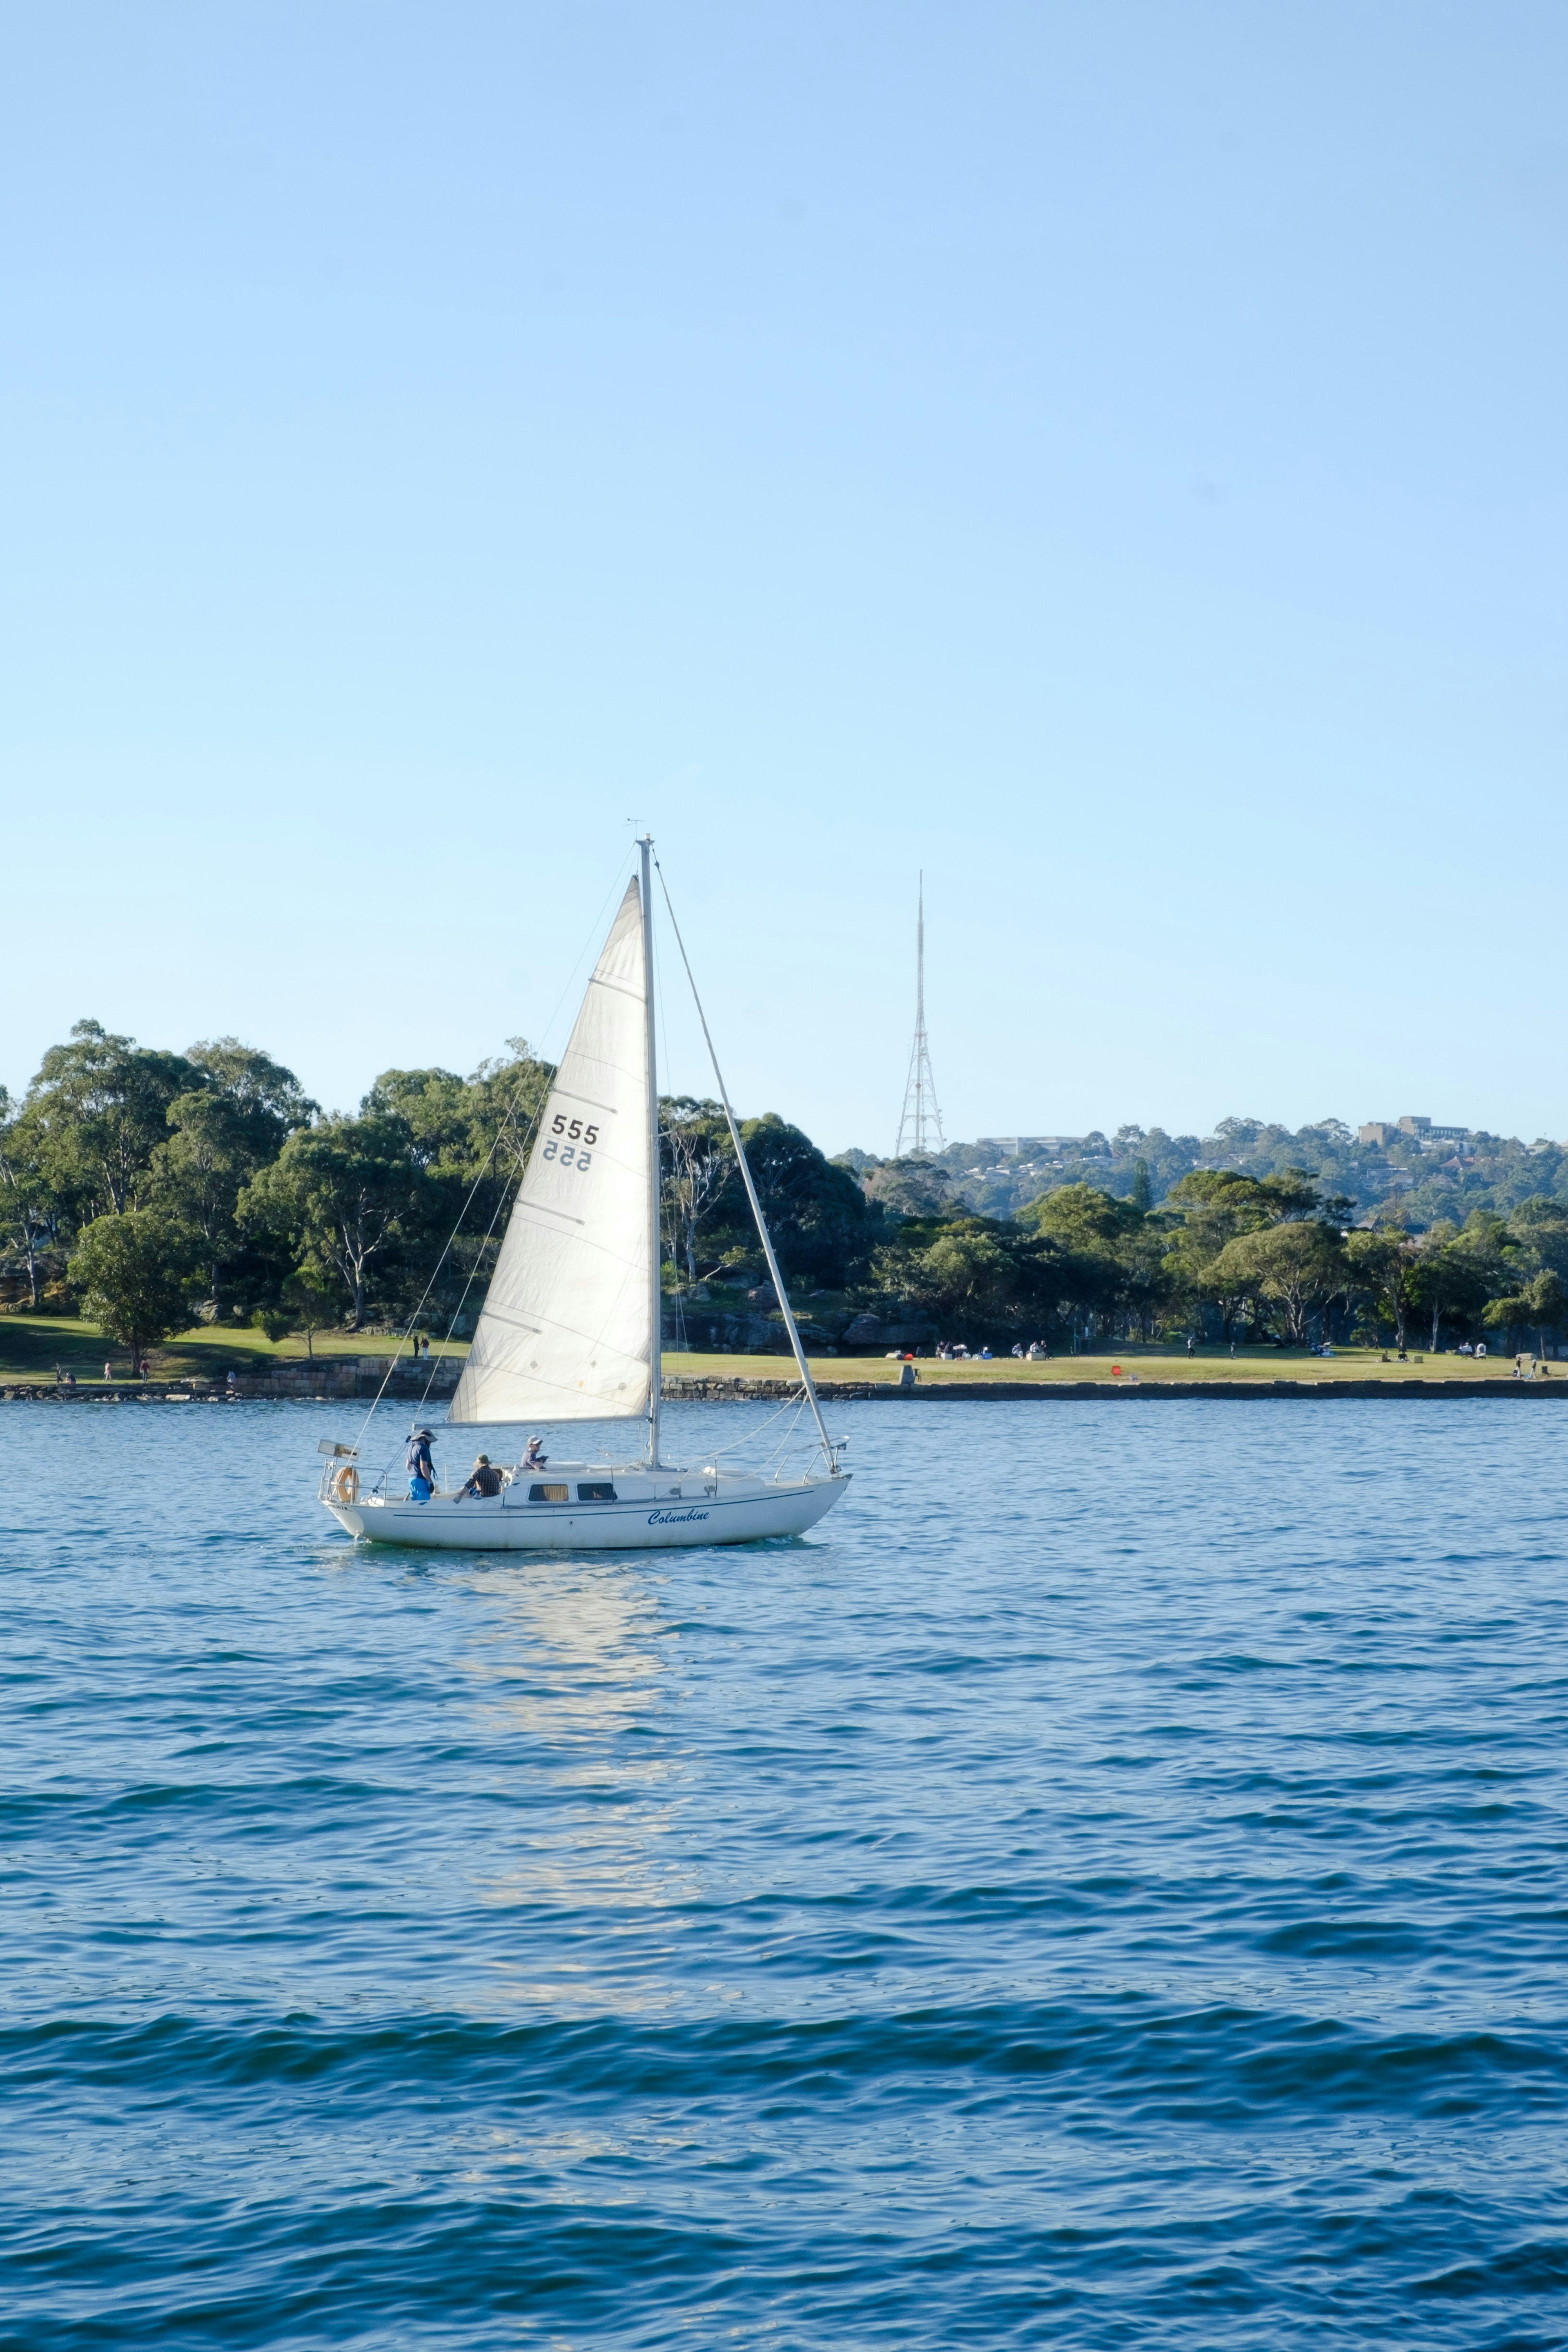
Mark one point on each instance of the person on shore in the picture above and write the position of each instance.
(70, 1380)
(108, 1371)
(421, 1467)
(1191, 1347)
(535, 1458)
(485, 1479)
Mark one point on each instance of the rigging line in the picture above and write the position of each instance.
(394, 1361)
(730, 1453)
(745, 1166)
(664, 1065)
(452, 1320)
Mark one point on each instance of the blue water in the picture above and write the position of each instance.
(1105, 1887)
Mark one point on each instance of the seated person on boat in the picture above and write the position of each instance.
(534, 1459)
(485, 1480)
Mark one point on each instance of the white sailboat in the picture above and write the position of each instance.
(569, 1328)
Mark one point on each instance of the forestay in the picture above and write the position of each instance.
(566, 1332)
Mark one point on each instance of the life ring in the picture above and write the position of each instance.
(345, 1485)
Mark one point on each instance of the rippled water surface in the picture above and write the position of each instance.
(1104, 1887)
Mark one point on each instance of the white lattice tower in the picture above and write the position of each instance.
(921, 1119)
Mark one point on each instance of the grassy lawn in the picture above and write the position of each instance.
(32, 1345)
(1261, 1364)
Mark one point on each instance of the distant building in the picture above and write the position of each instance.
(1014, 1147)
(1382, 1131)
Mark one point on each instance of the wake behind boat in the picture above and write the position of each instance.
(570, 1325)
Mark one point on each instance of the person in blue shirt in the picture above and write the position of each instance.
(421, 1468)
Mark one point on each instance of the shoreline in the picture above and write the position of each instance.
(737, 1387)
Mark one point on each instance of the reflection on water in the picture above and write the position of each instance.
(569, 1650)
(569, 1671)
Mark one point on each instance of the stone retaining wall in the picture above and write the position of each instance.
(329, 1377)
(713, 1390)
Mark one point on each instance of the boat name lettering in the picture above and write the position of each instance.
(674, 1518)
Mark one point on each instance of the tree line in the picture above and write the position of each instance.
(1227, 1256)
(1425, 1179)
(1281, 1257)
(152, 1190)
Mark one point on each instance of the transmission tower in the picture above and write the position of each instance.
(921, 1118)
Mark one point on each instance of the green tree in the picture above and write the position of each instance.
(29, 1210)
(344, 1194)
(1142, 1196)
(310, 1308)
(463, 1131)
(220, 1136)
(1541, 1306)
(95, 1114)
(1298, 1267)
(977, 1267)
(1537, 1232)
(823, 1228)
(135, 1271)
(1218, 1206)
(468, 1141)
(1449, 1276)
(1105, 1256)
(696, 1156)
(1385, 1264)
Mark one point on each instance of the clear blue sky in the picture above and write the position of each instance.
(1112, 457)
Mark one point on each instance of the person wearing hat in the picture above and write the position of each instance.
(421, 1468)
(534, 1459)
(485, 1481)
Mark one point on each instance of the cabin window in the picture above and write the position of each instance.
(602, 1494)
(549, 1495)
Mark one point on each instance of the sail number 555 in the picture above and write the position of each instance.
(570, 1141)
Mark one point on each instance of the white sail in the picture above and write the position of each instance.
(566, 1332)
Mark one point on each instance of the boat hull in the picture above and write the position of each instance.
(498, 1523)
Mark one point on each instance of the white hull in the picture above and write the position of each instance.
(647, 1514)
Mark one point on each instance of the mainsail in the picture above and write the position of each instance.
(566, 1332)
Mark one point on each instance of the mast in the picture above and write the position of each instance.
(656, 1291)
(921, 1110)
